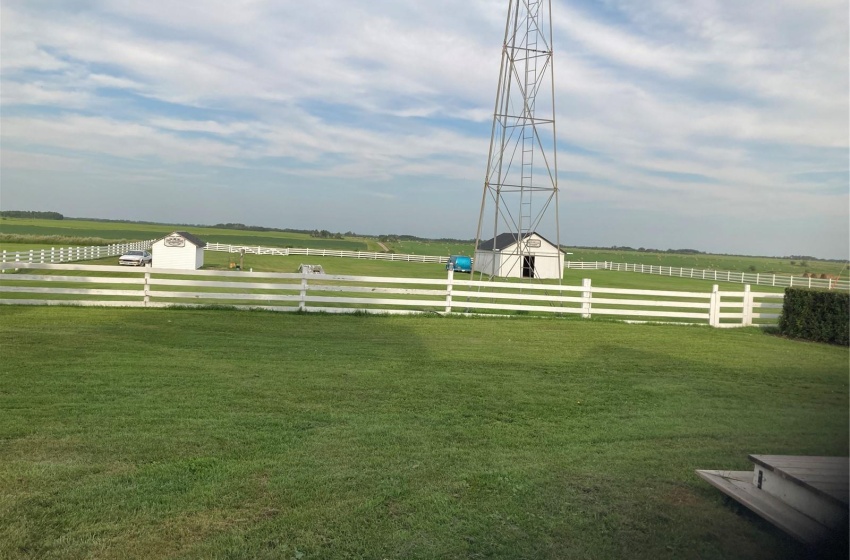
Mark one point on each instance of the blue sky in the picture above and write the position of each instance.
(714, 125)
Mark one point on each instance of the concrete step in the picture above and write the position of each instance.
(739, 486)
(816, 486)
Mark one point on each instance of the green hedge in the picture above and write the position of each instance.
(816, 315)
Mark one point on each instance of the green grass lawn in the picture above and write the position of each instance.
(218, 434)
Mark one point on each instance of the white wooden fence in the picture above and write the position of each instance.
(57, 284)
(257, 250)
(70, 254)
(756, 278)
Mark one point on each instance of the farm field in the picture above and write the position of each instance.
(141, 232)
(222, 434)
(137, 231)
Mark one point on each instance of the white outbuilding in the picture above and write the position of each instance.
(179, 249)
(507, 256)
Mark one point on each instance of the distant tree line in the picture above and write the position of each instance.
(394, 238)
(325, 234)
(31, 214)
(646, 250)
(243, 227)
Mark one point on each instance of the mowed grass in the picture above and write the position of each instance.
(220, 434)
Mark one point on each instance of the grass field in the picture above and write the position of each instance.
(113, 230)
(220, 434)
(142, 232)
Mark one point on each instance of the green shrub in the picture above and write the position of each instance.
(816, 315)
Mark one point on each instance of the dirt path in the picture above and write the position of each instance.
(384, 247)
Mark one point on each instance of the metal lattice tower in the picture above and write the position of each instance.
(521, 183)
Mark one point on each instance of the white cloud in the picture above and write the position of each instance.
(99, 136)
(651, 95)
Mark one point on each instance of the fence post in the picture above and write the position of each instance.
(302, 304)
(748, 307)
(586, 295)
(449, 291)
(714, 307)
(147, 289)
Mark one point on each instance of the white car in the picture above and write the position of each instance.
(135, 258)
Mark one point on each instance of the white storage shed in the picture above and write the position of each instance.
(179, 249)
(506, 256)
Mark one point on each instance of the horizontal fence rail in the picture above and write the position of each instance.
(257, 250)
(753, 278)
(70, 284)
(71, 254)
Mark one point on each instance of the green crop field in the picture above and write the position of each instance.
(24, 234)
(221, 434)
(70, 229)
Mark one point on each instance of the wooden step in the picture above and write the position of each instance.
(739, 486)
(816, 486)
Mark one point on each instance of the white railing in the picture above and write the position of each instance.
(156, 287)
(70, 254)
(257, 250)
(756, 278)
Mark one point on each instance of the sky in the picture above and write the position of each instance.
(715, 125)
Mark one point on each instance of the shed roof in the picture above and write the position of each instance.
(504, 240)
(194, 240)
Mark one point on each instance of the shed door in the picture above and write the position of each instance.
(528, 266)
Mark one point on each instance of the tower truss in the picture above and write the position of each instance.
(521, 182)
